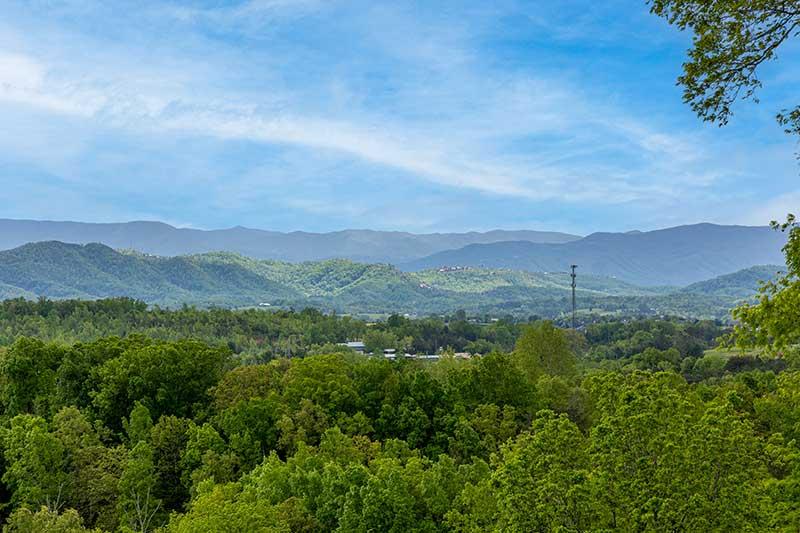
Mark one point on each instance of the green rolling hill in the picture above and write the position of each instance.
(58, 270)
(739, 285)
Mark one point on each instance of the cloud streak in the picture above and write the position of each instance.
(424, 151)
(407, 93)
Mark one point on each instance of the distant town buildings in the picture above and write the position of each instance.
(355, 345)
(456, 268)
(391, 353)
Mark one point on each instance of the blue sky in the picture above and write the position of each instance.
(415, 116)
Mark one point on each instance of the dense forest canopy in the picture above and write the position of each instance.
(120, 417)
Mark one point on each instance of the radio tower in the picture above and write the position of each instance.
(573, 275)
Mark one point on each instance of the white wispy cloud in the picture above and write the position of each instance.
(427, 150)
(249, 16)
(23, 80)
(389, 88)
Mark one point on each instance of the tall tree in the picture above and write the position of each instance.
(542, 478)
(35, 463)
(169, 378)
(138, 506)
(28, 376)
(544, 349)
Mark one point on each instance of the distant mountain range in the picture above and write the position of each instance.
(59, 270)
(674, 256)
(357, 245)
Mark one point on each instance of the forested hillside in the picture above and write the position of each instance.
(738, 285)
(59, 270)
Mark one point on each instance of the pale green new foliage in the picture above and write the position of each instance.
(324, 380)
(46, 521)
(664, 461)
(729, 471)
(640, 449)
(782, 458)
(35, 463)
(246, 383)
(561, 395)
(138, 507)
(73, 429)
(774, 322)
(779, 410)
(222, 508)
(475, 508)
(542, 479)
(139, 425)
(94, 469)
(544, 349)
(206, 457)
(398, 498)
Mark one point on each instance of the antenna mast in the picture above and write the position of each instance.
(573, 276)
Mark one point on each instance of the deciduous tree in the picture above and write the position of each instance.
(731, 40)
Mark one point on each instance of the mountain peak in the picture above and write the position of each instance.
(672, 256)
(164, 240)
